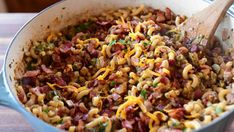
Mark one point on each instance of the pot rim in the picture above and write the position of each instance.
(23, 110)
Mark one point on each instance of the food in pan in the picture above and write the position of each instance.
(129, 69)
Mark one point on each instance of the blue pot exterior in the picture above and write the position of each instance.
(8, 99)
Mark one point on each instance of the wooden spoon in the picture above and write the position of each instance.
(205, 22)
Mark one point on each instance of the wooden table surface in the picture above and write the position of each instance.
(10, 120)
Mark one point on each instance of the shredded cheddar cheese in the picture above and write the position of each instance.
(70, 87)
(101, 77)
(132, 100)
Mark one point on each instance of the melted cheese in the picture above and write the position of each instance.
(87, 40)
(132, 100)
(98, 72)
(102, 77)
(70, 87)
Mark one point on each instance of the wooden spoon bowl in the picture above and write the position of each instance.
(204, 23)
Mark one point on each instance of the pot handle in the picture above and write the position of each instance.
(6, 97)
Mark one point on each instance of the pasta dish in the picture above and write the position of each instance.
(130, 69)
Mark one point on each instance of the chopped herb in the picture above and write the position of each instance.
(64, 8)
(112, 42)
(102, 127)
(113, 83)
(84, 36)
(122, 41)
(185, 130)
(218, 110)
(155, 85)
(174, 124)
(50, 46)
(30, 67)
(46, 111)
(143, 93)
(128, 42)
(74, 67)
(60, 121)
(41, 47)
(51, 94)
(94, 61)
(138, 69)
(84, 26)
(146, 43)
(44, 46)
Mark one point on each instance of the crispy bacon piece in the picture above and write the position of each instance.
(93, 83)
(210, 96)
(76, 118)
(21, 95)
(117, 47)
(148, 105)
(160, 17)
(128, 124)
(35, 90)
(112, 76)
(61, 111)
(67, 76)
(58, 80)
(141, 126)
(45, 69)
(162, 129)
(33, 73)
(183, 50)
(194, 48)
(197, 94)
(70, 103)
(81, 126)
(144, 119)
(115, 96)
(176, 113)
(83, 108)
(44, 89)
(160, 107)
(107, 112)
(171, 62)
(28, 81)
(56, 58)
(130, 112)
(77, 36)
(103, 23)
(65, 47)
(91, 49)
(66, 125)
(168, 13)
(164, 80)
(230, 98)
